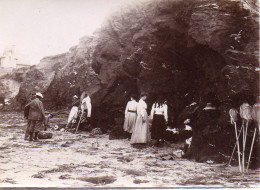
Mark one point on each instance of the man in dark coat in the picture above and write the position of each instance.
(204, 133)
(36, 116)
(26, 113)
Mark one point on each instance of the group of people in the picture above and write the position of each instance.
(137, 122)
(37, 119)
(79, 108)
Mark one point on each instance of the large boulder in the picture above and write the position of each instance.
(189, 51)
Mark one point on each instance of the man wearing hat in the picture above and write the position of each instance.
(36, 116)
(204, 133)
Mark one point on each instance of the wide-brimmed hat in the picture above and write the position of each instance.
(39, 94)
(209, 106)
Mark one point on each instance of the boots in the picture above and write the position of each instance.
(31, 136)
(36, 136)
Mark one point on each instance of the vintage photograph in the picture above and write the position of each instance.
(129, 94)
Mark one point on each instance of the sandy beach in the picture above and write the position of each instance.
(70, 160)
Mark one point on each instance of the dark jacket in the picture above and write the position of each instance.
(75, 103)
(36, 110)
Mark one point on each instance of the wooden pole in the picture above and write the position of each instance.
(235, 147)
(243, 150)
(246, 115)
(79, 120)
(251, 150)
(238, 149)
(244, 145)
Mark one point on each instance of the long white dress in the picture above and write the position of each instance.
(86, 105)
(130, 116)
(141, 133)
(73, 114)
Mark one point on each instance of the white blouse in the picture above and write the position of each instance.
(141, 108)
(159, 110)
(131, 106)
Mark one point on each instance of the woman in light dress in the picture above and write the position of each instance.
(159, 116)
(141, 132)
(74, 110)
(130, 114)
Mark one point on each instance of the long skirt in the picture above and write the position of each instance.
(141, 133)
(73, 114)
(129, 123)
(35, 125)
(158, 127)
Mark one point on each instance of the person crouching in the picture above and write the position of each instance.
(36, 117)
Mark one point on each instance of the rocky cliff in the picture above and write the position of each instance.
(188, 51)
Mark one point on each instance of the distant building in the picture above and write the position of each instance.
(21, 65)
(8, 58)
(9, 61)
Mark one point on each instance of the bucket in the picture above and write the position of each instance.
(178, 153)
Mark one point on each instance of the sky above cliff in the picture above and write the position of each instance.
(40, 28)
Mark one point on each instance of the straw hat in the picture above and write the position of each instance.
(39, 94)
(209, 106)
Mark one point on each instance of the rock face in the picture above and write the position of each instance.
(188, 51)
(9, 88)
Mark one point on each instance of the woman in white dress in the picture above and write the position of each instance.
(74, 110)
(141, 132)
(130, 115)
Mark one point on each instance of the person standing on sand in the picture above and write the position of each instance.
(26, 113)
(36, 116)
(86, 105)
(130, 114)
(141, 132)
(159, 116)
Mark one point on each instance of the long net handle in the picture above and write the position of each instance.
(251, 150)
(234, 146)
(79, 121)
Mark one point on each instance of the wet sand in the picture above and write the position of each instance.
(69, 160)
